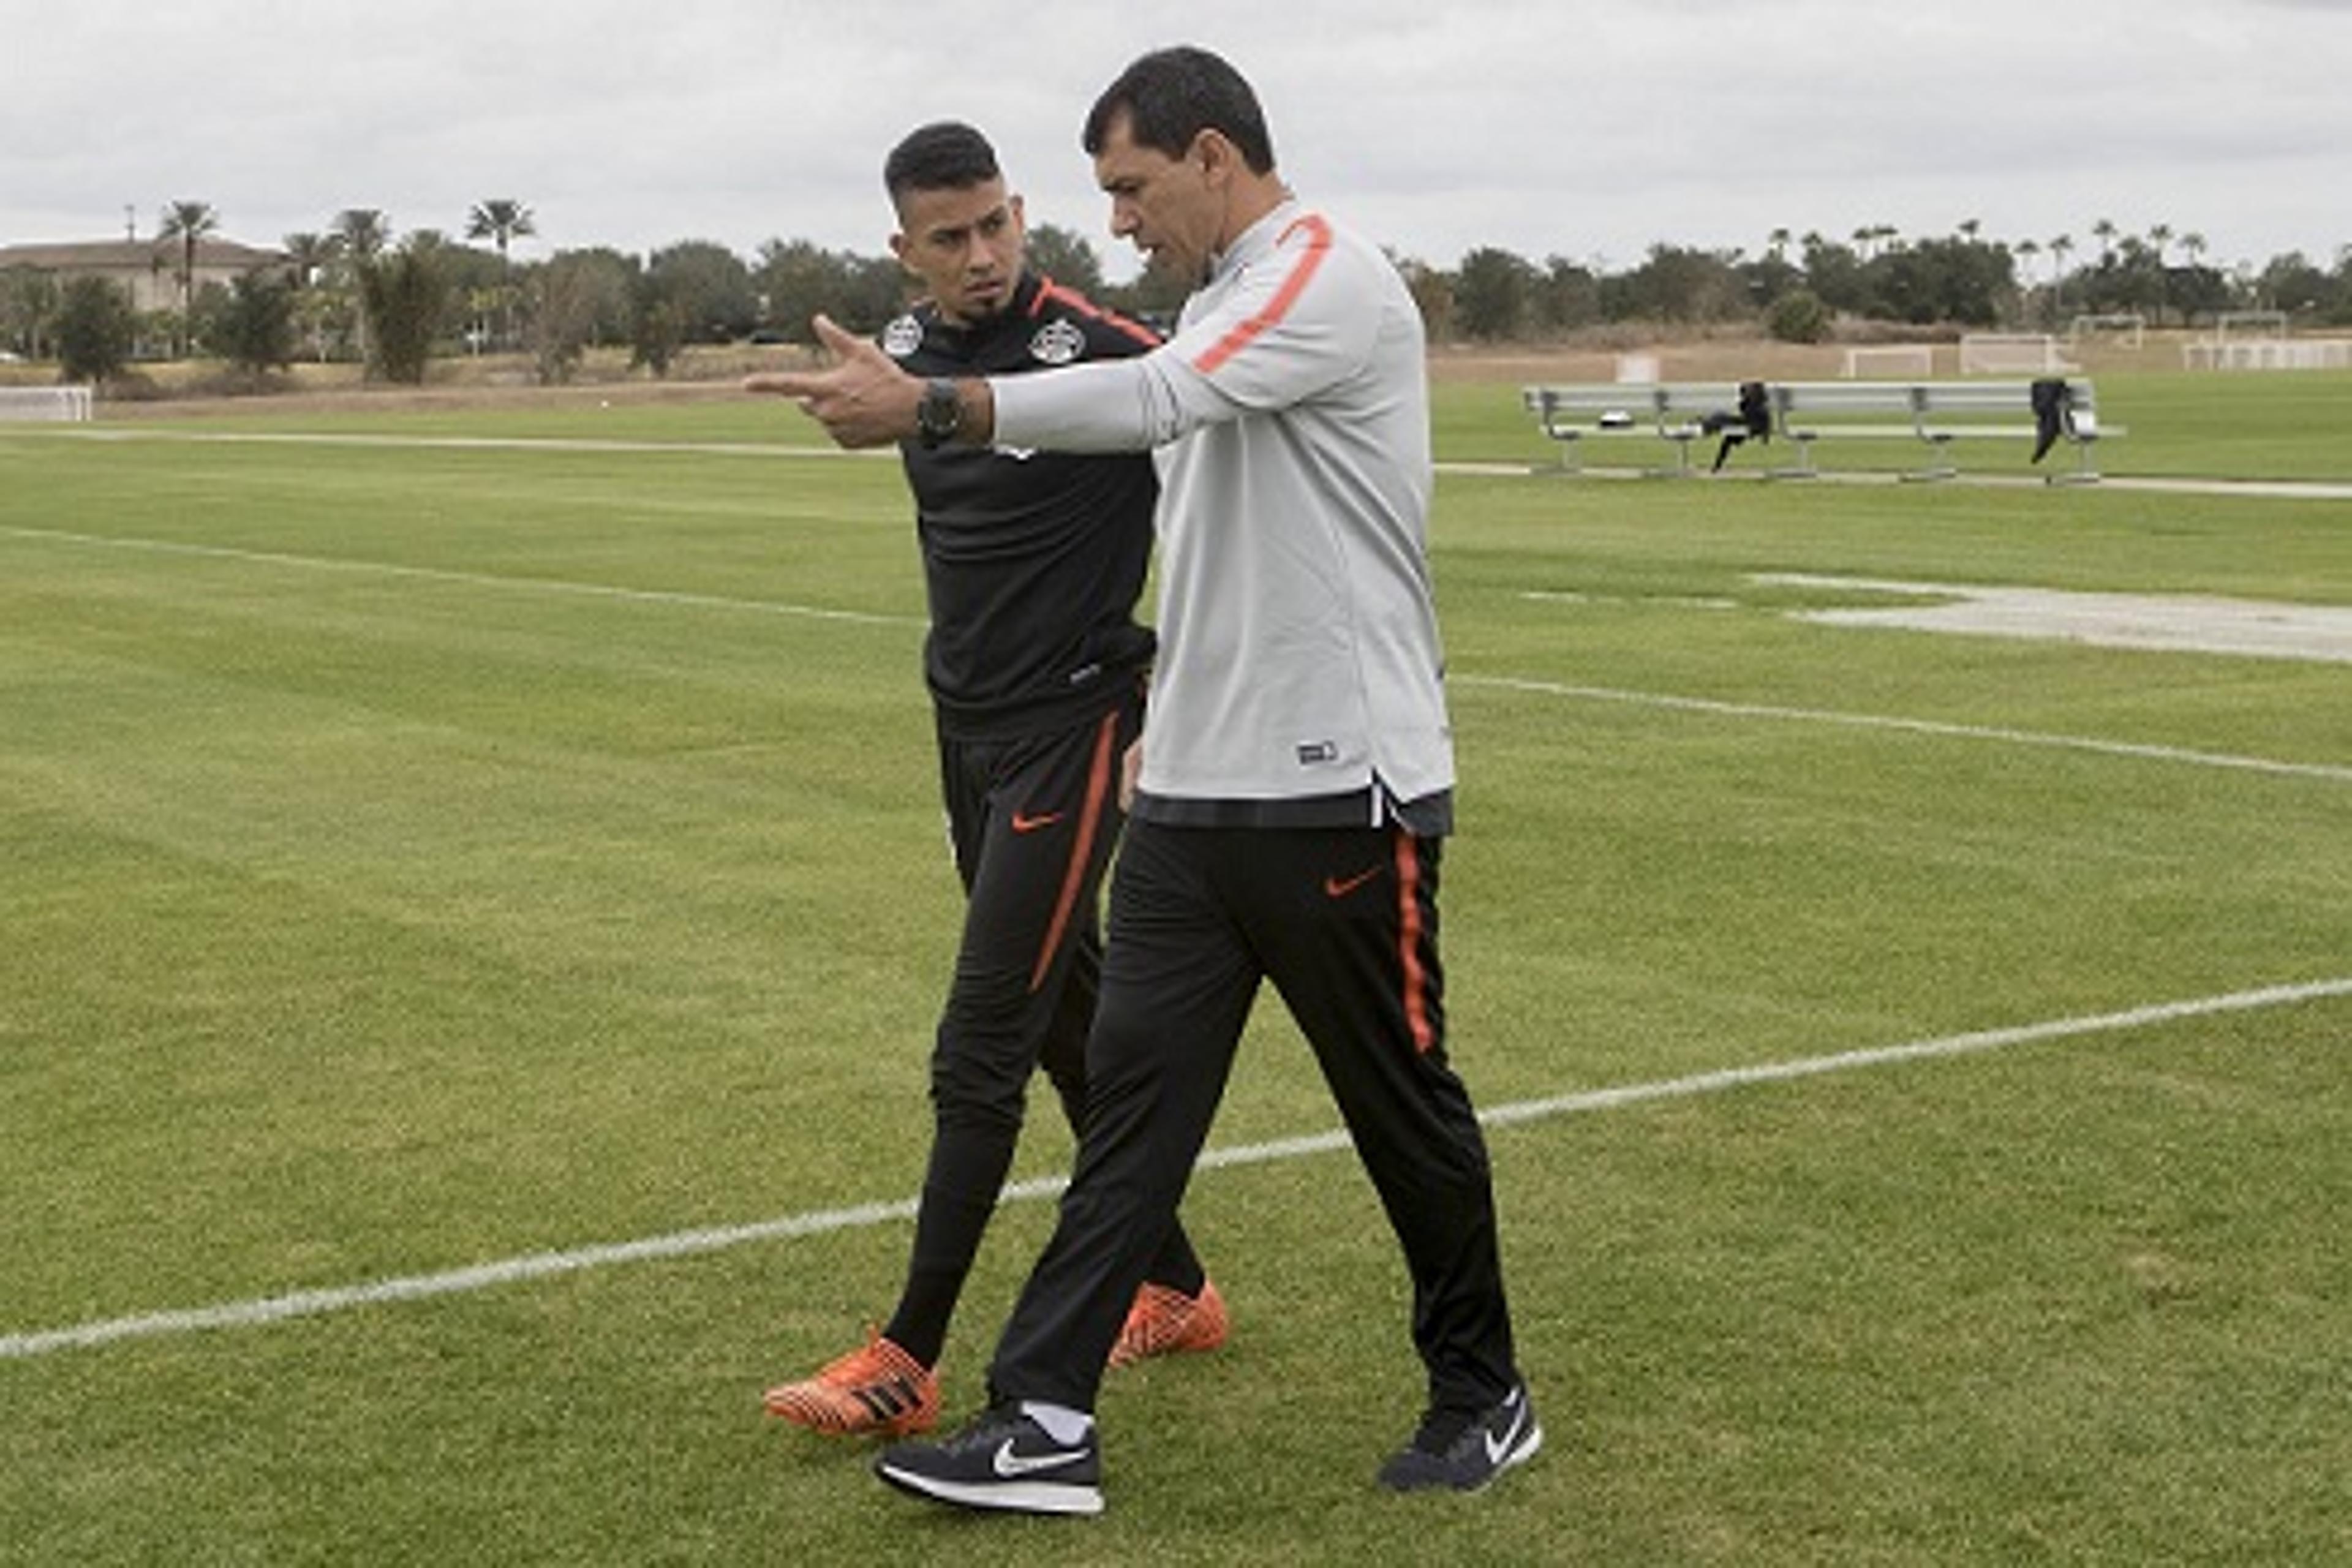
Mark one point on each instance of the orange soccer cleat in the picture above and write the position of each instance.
(875, 1389)
(1166, 1321)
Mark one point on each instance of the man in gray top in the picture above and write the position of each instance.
(1296, 781)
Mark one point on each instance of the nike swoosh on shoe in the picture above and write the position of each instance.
(1009, 1464)
(1498, 1447)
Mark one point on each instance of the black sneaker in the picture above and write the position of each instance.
(1003, 1460)
(1462, 1452)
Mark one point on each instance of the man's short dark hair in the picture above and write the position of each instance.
(947, 155)
(1170, 96)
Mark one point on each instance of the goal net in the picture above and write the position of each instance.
(1997, 353)
(2260, 326)
(2126, 329)
(2268, 353)
(2258, 339)
(61, 404)
(1890, 359)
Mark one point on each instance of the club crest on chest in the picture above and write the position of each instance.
(1057, 342)
(902, 337)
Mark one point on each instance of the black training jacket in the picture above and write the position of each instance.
(1034, 560)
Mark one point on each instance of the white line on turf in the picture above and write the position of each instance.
(467, 443)
(1497, 682)
(2280, 490)
(467, 579)
(1913, 726)
(2261, 490)
(686, 1244)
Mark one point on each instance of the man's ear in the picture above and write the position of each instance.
(1218, 156)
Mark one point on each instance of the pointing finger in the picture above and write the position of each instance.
(830, 335)
(782, 383)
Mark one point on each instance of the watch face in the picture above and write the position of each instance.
(940, 412)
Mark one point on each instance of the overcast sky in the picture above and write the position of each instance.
(1547, 127)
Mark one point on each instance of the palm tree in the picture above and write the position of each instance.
(1778, 240)
(2061, 247)
(364, 232)
(311, 254)
(2192, 245)
(501, 220)
(188, 222)
(2158, 236)
(2105, 232)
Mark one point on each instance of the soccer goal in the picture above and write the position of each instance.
(1885, 359)
(2267, 354)
(1637, 370)
(2009, 353)
(59, 404)
(2262, 326)
(2124, 330)
(2257, 340)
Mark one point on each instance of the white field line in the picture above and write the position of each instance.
(2282, 489)
(465, 443)
(2331, 772)
(465, 579)
(686, 1244)
(1504, 683)
(1657, 601)
(2236, 489)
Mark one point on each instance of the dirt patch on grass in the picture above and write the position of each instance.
(2178, 623)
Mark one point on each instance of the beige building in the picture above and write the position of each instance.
(148, 268)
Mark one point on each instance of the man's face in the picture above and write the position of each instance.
(1171, 208)
(965, 246)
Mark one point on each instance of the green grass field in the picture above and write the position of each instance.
(416, 856)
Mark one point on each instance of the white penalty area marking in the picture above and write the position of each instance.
(692, 1243)
(459, 443)
(2284, 489)
(1644, 601)
(2255, 489)
(463, 579)
(1496, 682)
(1939, 728)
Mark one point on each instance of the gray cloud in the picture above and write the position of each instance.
(1576, 129)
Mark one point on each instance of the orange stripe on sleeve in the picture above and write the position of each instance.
(1318, 246)
(1099, 777)
(1408, 928)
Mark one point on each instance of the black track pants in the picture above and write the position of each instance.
(1032, 822)
(1344, 922)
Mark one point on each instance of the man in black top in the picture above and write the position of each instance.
(1033, 562)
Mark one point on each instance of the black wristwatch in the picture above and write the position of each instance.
(941, 413)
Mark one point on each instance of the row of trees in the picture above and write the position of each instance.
(350, 291)
(355, 290)
(1799, 287)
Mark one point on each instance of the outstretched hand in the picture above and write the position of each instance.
(863, 399)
